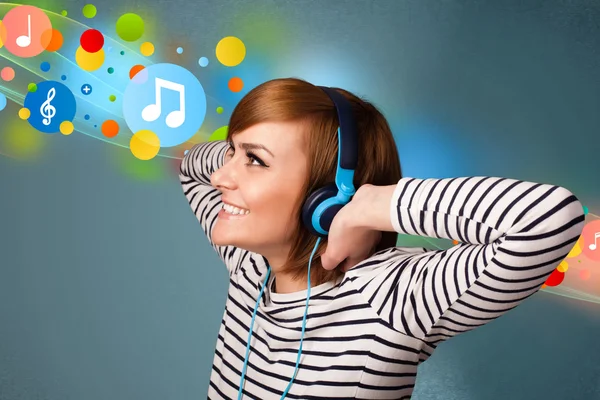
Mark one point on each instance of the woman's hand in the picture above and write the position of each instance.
(352, 237)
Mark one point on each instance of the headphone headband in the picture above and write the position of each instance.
(348, 143)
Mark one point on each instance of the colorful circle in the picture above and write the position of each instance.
(32, 87)
(24, 113)
(50, 105)
(63, 13)
(179, 50)
(2, 101)
(89, 11)
(219, 110)
(219, 134)
(230, 51)
(144, 144)
(2, 34)
(203, 61)
(89, 61)
(122, 52)
(112, 98)
(45, 66)
(66, 127)
(110, 128)
(91, 40)
(147, 49)
(25, 26)
(86, 117)
(134, 70)
(235, 84)
(170, 101)
(52, 40)
(130, 27)
(63, 77)
(591, 240)
(7, 74)
(110, 70)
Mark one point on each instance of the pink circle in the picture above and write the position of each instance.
(24, 29)
(7, 74)
(591, 240)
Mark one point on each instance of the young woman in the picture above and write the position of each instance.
(374, 311)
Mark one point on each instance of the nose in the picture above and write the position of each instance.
(224, 177)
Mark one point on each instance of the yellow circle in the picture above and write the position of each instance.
(66, 127)
(576, 250)
(230, 51)
(147, 49)
(144, 144)
(563, 266)
(24, 113)
(2, 34)
(89, 61)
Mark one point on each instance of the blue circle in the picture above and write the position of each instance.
(45, 66)
(86, 89)
(203, 61)
(2, 101)
(179, 50)
(86, 117)
(63, 77)
(52, 102)
(170, 79)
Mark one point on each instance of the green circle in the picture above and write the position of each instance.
(112, 97)
(111, 70)
(122, 53)
(63, 13)
(130, 27)
(89, 11)
(219, 110)
(219, 134)
(32, 87)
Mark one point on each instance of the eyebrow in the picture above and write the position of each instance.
(255, 146)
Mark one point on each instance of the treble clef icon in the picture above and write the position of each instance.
(47, 110)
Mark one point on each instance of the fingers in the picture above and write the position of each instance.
(329, 261)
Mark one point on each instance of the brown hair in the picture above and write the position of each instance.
(293, 99)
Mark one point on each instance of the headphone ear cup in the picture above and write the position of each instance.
(310, 206)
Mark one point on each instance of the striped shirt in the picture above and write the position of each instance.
(367, 332)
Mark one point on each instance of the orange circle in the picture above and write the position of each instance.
(134, 70)
(7, 74)
(235, 84)
(110, 128)
(24, 28)
(52, 40)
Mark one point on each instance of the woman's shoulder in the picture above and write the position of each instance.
(385, 257)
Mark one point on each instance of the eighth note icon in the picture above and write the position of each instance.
(152, 111)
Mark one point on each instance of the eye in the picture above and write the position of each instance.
(230, 151)
(253, 160)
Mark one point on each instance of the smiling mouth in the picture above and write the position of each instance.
(232, 210)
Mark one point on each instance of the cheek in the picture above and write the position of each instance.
(275, 206)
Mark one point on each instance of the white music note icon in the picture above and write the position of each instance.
(25, 40)
(47, 110)
(593, 246)
(152, 112)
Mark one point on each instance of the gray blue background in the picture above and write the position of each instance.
(108, 288)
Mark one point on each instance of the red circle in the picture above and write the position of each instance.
(555, 278)
(92, 40)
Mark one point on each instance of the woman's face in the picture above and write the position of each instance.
(261, 183)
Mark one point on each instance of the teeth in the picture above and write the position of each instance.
(234, 210)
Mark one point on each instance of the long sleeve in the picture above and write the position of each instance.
(512, 235)
(196, 168)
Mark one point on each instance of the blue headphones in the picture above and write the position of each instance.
(319, 209)
(324, 203)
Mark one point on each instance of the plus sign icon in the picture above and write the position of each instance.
(86, 89)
